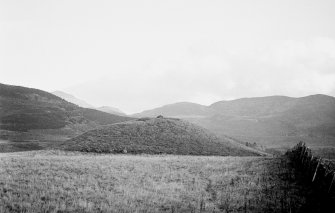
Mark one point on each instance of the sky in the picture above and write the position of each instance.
(137, 55)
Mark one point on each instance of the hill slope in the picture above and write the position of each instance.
(111, 110)
(154, 136)
(72, 99)
(273, 121)
(181, 109)
(31, 114)
(260, 106)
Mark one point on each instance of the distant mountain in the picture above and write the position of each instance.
(32, 114)
(111, 110)
(253, 106)
(181, 110)
(156, 136)
(72, 99)
(273, 121)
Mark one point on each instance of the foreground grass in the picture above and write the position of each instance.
(54, 181)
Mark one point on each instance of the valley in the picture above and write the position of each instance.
(56, 156)
(167, 106)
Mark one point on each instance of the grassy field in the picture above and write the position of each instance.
(55, 181)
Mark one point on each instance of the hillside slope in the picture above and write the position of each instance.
(37, 113)
(111, 110)
(276, 121)
(155, 136)
(72, 99)
(260, 106)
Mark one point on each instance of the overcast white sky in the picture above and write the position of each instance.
(137, 55)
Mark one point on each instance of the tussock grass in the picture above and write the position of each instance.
(57, 181)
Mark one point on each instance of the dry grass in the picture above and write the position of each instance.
(55, 181)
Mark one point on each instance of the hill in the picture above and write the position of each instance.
(273, 121)
(155, 136)
(181, 109)
(111, 110)
(276, 121)
(30, 114)
(260, 106)
(72, 99)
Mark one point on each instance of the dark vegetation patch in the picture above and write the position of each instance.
(316, 198)
(41, 120)
(317, 175)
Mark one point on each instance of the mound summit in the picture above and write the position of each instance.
(155, 136)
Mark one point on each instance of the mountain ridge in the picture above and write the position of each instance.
(270, 120)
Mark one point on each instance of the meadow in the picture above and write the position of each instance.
(58, 181)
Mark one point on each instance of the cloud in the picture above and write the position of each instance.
(206, 75)
(115, 53)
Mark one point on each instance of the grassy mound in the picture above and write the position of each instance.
(155, 136)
